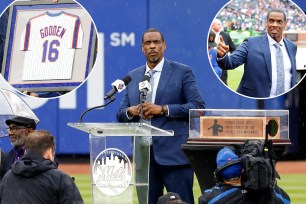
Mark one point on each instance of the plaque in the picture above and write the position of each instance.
(215, 127)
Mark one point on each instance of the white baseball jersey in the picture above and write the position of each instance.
(50, 41)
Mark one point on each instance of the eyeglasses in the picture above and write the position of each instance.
(14, 129)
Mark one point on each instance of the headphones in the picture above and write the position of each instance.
(218, 170)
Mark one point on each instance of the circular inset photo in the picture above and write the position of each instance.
(257, 48)
(47, 48)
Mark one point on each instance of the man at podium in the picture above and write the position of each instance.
(173, 92)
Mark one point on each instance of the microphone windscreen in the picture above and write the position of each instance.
(145, 85)
(146, 78)
(127, 80)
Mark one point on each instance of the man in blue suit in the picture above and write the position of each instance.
(258, 54)
(174, 92)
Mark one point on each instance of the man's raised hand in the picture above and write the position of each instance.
(222, 49)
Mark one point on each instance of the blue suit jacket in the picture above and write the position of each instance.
(255, 54)
(176, 88)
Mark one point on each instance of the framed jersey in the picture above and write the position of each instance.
(49, 47)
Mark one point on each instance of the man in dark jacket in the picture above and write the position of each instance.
(36, 179)
(217, 28)
(229, 189)
(18, 129)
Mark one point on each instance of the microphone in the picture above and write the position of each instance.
(144, 87)
(118, 86)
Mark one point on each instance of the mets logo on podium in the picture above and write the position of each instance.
(112, 172)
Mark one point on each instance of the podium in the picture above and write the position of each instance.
(119, 175)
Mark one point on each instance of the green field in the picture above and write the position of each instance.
(293, 184)
(234, 77)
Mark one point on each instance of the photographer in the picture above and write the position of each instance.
(229, 188)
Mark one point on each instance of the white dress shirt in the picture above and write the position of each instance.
(217, 38)
(155, 77)
(287, 65)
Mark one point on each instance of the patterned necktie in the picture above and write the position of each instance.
(148, 140)
(280, 86)
(149, 96)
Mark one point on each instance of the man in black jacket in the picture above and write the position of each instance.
(36, 179)
(18, 129)
(217, 28)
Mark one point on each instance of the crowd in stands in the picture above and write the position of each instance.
(251, 15)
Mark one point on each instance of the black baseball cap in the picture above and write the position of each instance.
(22, 121)
(169, 197)
(211, 39)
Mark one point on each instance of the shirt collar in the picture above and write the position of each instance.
(19, 152)
(158, 67)
(272, 41)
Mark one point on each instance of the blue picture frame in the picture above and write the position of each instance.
(88, 55)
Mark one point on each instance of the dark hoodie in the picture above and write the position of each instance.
(35, 179)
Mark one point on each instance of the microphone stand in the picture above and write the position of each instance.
(143, 95)
(141, 101)
(101, 106)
